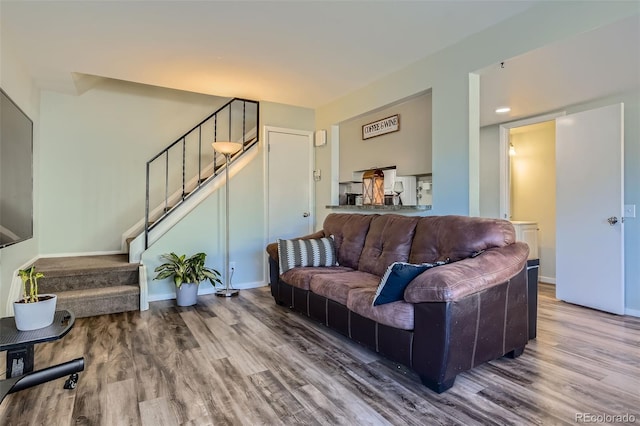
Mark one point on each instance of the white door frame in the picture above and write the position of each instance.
(505, 167)
(265, 179)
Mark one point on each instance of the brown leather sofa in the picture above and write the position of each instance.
(453, 317)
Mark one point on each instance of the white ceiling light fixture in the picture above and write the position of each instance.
(503, 110)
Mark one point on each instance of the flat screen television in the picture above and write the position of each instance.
(16, 173)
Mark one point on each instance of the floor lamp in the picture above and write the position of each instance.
(228, 149)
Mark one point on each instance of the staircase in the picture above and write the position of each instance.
(91, 285)
(175, 183)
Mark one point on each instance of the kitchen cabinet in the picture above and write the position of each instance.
(528, 233)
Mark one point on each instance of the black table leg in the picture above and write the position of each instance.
(19, 361)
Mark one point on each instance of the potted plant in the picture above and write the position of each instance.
(33, 310)
(187, 273)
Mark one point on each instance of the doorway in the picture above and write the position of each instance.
(533, 188)
(289, 185)
(589, 200)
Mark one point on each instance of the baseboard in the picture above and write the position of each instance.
(205, 290)
(547, 280)
(159, 297)
(632, 312)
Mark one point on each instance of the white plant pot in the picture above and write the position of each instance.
(187, 294)
(32, 316)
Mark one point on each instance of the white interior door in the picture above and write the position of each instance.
(290, 183)
(589, 185)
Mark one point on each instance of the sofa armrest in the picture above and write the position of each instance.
(459, 279)
(272, 249)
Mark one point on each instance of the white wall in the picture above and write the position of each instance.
(447, 74)
(95, 148)
(17, 83)
(409, 149)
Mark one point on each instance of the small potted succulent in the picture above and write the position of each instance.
(187, 274)
(33, 310)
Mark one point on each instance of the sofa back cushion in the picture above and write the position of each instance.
(438, 238)
(388, 240)
(349, 232)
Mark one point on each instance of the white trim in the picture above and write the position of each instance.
(505, 173)
(335, 162)
(265, 197)
(474, 144)
(632, 312)
(144, 287)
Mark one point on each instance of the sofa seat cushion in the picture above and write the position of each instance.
(300, 277)
(396, 314)
(337, 286)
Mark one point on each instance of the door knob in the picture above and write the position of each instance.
(306, 214)
(612, 220)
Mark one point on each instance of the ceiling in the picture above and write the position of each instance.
(592, 65)
(304, 53)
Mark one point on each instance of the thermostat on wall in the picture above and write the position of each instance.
(321, 137)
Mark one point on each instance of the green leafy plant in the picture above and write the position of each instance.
(30, 276)
(185, 269)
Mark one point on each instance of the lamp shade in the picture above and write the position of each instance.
(227, 147)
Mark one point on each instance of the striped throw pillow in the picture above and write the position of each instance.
(311, 252)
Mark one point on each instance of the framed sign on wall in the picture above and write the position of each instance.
(381, 127)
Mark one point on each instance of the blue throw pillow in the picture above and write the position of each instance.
(397, 278)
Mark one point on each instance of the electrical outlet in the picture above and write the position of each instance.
(629, 210)
(232, 266)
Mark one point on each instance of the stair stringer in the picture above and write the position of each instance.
(177, 198)
(136, 246)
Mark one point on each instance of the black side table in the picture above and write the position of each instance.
(19, 344)
(19, 347)
(532, 283)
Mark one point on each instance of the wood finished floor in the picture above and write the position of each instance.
(246, 361)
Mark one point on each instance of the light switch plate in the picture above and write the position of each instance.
(629, 210)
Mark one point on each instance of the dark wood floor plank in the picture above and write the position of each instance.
(246, 360)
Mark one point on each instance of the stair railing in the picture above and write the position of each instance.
(182, 168)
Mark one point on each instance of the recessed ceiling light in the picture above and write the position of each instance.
(503, 110)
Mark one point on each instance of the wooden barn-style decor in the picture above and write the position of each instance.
(373, 187)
